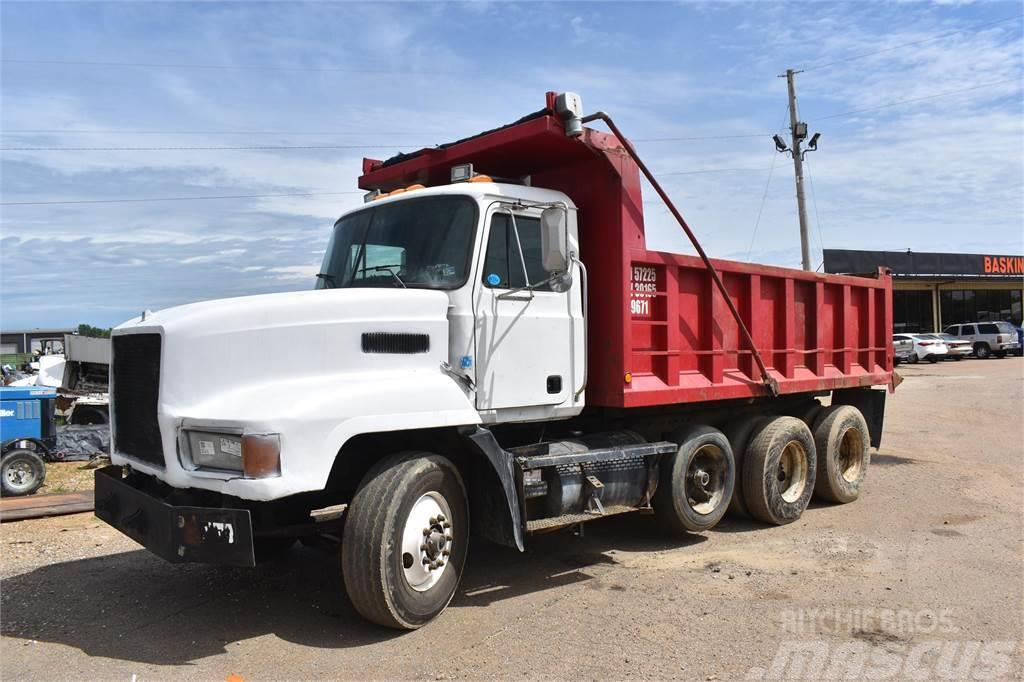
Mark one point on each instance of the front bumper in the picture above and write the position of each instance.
(178, 534)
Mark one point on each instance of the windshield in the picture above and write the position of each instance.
(415, 243)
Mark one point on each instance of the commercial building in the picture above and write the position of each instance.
(933, 290)
(29, 340)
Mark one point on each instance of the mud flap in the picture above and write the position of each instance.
(871, 404)
(501, 461)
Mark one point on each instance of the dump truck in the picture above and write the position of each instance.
(492, 351)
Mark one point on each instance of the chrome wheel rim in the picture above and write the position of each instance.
(19, 475)
(850, 458)
(792, 472)
(705, 479)
(427, 541)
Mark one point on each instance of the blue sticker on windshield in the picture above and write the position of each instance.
(493, 280)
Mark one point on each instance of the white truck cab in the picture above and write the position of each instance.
(432, 308)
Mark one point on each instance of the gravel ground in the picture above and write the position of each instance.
(69, 477)
(922, 574)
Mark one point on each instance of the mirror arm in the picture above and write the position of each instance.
(586, 302)
(519, 247)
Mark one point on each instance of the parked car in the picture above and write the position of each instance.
(1020, 342)
(987, 338)
(903, 349)
(958, 348)
(927, 347)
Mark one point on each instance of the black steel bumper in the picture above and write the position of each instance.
(176, 533)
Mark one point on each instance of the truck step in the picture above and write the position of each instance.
(528, 458)
(555, 522)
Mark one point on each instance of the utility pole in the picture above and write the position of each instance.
(799, 132)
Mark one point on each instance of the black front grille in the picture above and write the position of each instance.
(389, 342)
(136, 376)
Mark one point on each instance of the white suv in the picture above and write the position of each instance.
(987, 338)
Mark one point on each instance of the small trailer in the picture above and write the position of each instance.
(492, 349)
(27, 434)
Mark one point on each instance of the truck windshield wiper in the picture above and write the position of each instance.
(327, 278)
(388, 269)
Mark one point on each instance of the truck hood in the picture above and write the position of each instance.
(216, 355)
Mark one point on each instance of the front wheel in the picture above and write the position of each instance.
(405, 540)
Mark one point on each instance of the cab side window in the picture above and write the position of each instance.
(503, 268)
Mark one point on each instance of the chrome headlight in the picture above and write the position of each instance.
(215, 450)
(255, 455)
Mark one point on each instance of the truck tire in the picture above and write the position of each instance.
(410, 508)
(740, 433)
(696, 481)
(843, 446)
(22, 472)
(811, 415)
(982, 351)
(778, 476)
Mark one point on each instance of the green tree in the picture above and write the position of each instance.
(95, 332)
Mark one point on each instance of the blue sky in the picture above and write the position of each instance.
(940, 173)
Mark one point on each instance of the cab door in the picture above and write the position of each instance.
(524, 338)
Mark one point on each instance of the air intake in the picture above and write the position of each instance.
(398, 343)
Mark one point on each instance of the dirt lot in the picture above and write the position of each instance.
(922, 577)
(69, 477)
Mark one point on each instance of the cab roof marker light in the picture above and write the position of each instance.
(462, 172)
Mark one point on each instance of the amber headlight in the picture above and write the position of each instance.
(256, 455)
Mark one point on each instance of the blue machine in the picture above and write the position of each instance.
(27, 434)
(26, 413)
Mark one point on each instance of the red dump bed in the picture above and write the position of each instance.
(659, 331)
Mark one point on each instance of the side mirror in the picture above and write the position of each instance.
(554, 240)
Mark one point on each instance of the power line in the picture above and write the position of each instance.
(814, 202)
(703, 137)
(212, 67)
(39, 131)
(141, 200)
(815, 67)
(197, 149)
(712, 170)
(764, 197)
(760, 209)
(919, 99)
(294, 132)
